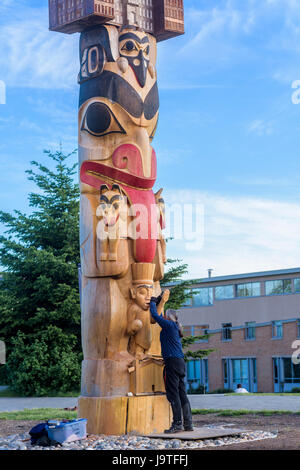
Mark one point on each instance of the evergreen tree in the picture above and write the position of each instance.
(39, 295)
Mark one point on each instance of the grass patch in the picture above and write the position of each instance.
(243, 412)
(8, 393)
(39, 414)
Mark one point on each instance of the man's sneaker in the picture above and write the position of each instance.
(174, 428)
(188, 427)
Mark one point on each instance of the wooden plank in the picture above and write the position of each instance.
(198, 434)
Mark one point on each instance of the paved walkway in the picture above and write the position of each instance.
(18, 404)
(236, 402)
(244, 402)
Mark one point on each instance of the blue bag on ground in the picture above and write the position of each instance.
(37, 433)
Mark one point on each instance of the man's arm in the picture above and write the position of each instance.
(164, 300)
(163, 323)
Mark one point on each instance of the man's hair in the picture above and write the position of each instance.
(172, 314)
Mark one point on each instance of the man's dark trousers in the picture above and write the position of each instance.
(174, 373)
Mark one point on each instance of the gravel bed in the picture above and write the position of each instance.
(132, 442)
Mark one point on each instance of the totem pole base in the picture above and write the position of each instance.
(122, 415)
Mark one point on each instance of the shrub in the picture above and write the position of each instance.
(48, 363)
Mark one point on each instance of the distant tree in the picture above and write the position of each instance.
(180, 289)
(39, 298)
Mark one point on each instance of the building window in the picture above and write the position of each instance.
(226, 331)
(188, 302)
(250, 331)
(225, 373)
(224, 292)
(298, 328)
(297, 285)
(251, 289)
(291, 371)
(286, 374)
(240, 371)
(278, 287)
(197, 376)
(202, 297)
(277, 329)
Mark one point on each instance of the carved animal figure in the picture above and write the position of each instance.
(112, 225)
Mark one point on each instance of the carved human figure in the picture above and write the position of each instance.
(138, 313)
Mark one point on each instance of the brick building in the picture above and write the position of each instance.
(253, 320)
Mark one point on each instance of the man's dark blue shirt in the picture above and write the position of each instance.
(169, 335)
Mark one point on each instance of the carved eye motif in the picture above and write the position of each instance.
(129, 46)
(99, 120)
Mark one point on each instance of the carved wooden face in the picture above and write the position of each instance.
(118, 107)
(142, 294)
(135, 47)
(112, 205)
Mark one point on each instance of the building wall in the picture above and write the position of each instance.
(263, 348)
(240, 310)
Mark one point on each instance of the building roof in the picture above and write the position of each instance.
(236, 277)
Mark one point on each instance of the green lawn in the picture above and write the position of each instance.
(39, 414)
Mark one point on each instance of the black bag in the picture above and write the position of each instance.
(39, 436)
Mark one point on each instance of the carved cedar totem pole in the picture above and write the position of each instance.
(123, 249)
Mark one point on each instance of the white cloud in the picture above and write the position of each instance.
(233, 32)
(240, 234)
(260, 127)
(31, 56)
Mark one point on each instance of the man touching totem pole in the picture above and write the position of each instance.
(121, 219)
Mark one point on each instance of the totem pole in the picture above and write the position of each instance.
(121, 219)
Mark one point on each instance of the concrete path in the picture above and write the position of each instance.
(244, 402)
(18, 404)
(236, 402)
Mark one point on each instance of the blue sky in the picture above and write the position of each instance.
(228, 134)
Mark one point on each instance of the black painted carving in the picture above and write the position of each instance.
(115, 88)
(99, 120)
(96, 35)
